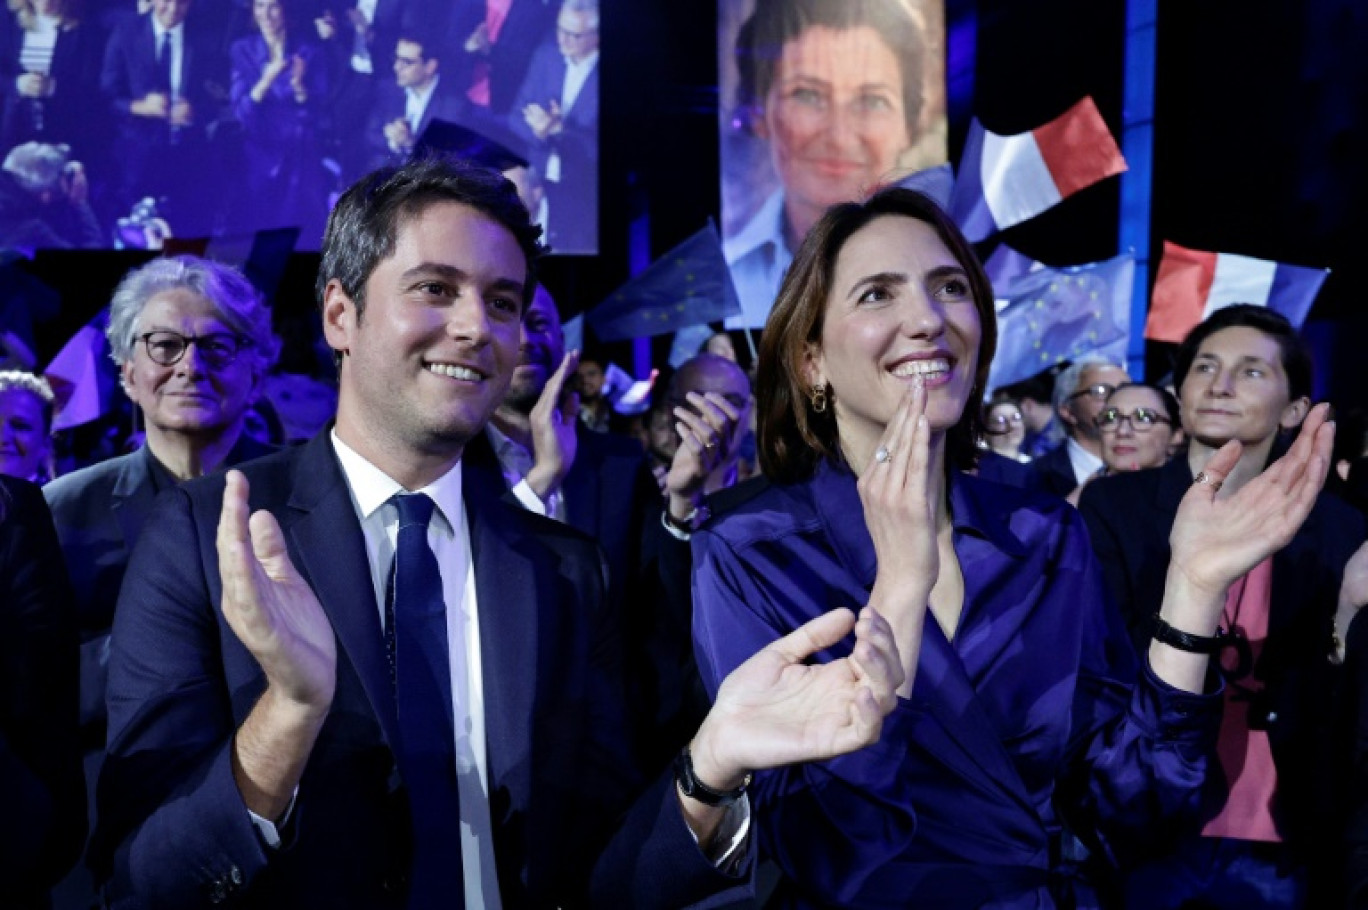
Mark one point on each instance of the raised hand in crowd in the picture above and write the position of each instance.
(1216, 539)
(154, 105)
(554, 419)
(278, 619)
(707, 431)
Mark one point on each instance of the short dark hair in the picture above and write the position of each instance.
(364, 225)
(1296, 355)
(792, 438)
(761, 40)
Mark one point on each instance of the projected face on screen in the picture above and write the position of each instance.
(824, 100)
(834, 117)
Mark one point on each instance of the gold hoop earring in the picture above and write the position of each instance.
(819, 399)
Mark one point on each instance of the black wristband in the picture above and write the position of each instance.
(1186, 641)
(692, 787)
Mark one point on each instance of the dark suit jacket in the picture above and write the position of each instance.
(99, 512)
(69, 115)
(573, 201)
(526, 26)
(447, 104)
(1129, 517)
(611, 496)
(41, 786)
(130, 73)
(173, 829)
(1054, 472)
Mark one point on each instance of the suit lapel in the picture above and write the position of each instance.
(508, 591)
(326, 543)
(133, 496)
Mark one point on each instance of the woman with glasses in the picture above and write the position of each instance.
(1019, 718)
(193, 342)
(1004, 428)
(1273, 815)
(1139, 427)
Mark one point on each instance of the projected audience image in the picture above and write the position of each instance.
(124, 122)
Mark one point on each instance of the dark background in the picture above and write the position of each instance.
(1260, 146)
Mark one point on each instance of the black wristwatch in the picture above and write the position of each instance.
(692, 787)
(1186, 641)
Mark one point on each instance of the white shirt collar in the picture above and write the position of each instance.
(372, 487)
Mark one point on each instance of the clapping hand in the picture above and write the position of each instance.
(707, 428)
(777, 709)
(269, 606)
(1215, 540)
(554, 441)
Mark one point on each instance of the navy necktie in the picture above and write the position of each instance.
(416, 634)
(164, 63)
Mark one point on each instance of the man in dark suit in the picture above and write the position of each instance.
(421, 92)
(262, 745)
(165, 84)
(40, 761)
(557, 114)
(1079, 395)
(496, 59)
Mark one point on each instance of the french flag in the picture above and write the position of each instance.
(1193, 284)
(1005, 180)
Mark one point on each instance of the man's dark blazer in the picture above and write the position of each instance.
(99, 512)
(1054, 472)
(1129, 517)
(611, 496)
(130, 73)
(573, 201)
(526, 27)
(390, 104)
(41, 786)
(173, 828)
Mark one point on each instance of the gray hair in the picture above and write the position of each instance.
(24, 381)
(1066, 383)
(582, 6)
(234, 299)
(37, 166)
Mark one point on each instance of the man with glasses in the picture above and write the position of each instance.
(418, 96)
(1080, 393)
(556, 113)
(193, 342)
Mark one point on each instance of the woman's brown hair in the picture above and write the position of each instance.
(793, 437)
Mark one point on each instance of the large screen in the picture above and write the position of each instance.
(124, 120)
(822, 100)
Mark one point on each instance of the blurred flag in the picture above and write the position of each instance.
(937, 182)
(573, 332)
(688, 341)
(637, 398)
(1005, 180)
(261, 256)
(1006, 265)
(689, 285)
(1193, 284)
(82, 376)
(1051, 315)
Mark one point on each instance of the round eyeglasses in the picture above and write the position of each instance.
(217, 349)
(1099, 392)
(1141, 420)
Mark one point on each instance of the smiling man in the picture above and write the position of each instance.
(389, 688)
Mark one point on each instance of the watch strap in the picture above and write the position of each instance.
(692, 787)
(1186, 641)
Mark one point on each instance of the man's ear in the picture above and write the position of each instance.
(126, 378)
(1294, 413)
(340, 317)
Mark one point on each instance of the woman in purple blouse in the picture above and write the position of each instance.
(1024, 730)
(278, 88)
